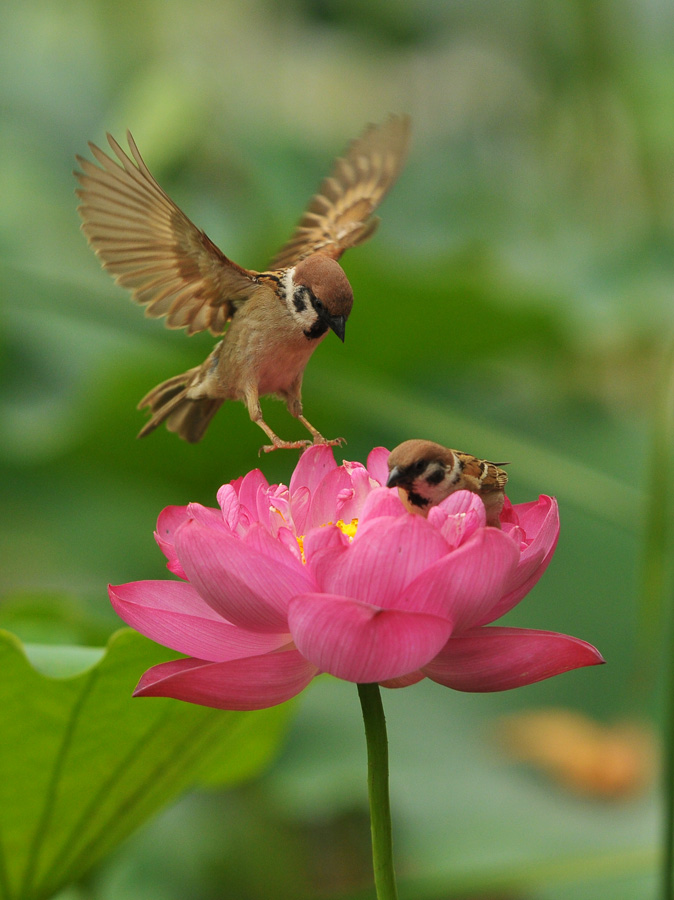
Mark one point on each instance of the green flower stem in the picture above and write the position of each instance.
(377, 785)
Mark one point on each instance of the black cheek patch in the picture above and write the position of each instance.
(299, 300)
(435, 477)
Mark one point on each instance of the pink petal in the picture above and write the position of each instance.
(362, 643)
(259, 540)
(497, 659)
(381, 561)
(350, 501)
(228, 501)
(174, 566)
(206, 515)
(381, 502)
(323, 507)
(236, 484)
(462, 503)
(173, 614)
(507, 513)
(403, 681)
(458, 516)
(300, 501)
(247, 588)
(319, 542)
(279, 513)
(516, 533)
(169, 519)
(377, 464)
(173, 563)
(315, 463)
(288, 539)
(253, 483)
(542, 531)
(540, 515)
(256, 682)
(465, 584)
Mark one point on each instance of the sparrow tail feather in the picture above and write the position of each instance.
(187, 417)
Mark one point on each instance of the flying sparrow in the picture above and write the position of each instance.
(425, 473)
(276, 318)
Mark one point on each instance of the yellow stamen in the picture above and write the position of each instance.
(347, 528)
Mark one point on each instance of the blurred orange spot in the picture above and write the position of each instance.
(607, 761)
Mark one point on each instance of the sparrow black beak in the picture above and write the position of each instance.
(338, 325)
(395, 476)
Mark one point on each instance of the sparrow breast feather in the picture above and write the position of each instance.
(270, 322)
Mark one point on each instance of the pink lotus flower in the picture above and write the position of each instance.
(331, 574)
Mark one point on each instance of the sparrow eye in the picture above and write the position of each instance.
(317, 303)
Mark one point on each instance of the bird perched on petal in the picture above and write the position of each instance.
(425, 473)
(331, 575)
(276, 318)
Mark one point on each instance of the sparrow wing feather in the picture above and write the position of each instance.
(150, 246)
(340, 216)
(488, 476)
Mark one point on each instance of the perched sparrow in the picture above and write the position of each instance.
(278, 317)
(425, 473)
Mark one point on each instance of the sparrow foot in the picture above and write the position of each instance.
(318, 437)
(333, 442)
(284, 445)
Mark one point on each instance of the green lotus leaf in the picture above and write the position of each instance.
(83, 764)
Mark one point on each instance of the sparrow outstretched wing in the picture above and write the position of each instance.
(340, 216)
(151, 247)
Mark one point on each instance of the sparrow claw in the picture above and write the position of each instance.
(333, 442)
(284, 445)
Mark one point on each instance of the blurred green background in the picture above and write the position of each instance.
(516, 303)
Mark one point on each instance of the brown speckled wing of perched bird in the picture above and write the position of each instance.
(484, 475)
